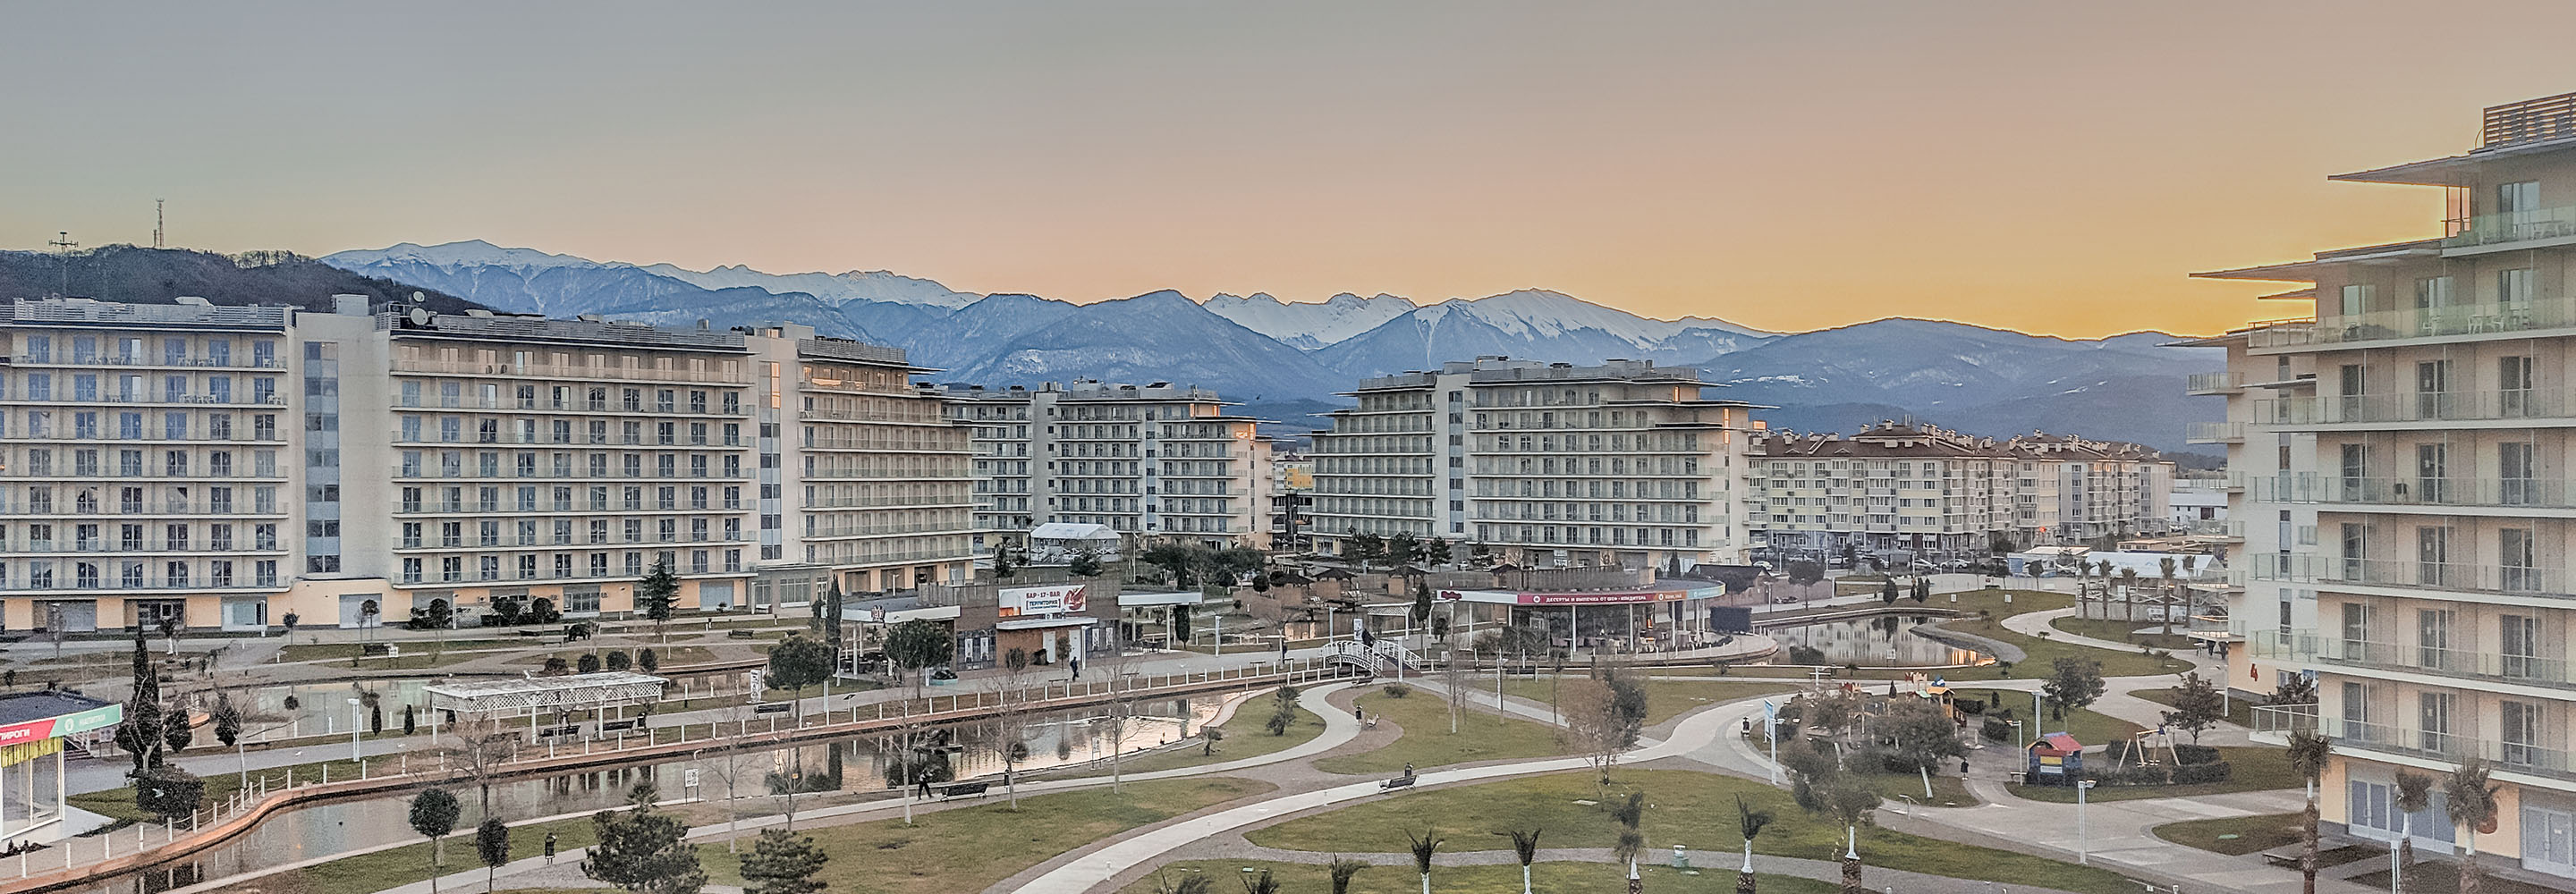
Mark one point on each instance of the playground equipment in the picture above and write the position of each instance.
(2139, 749)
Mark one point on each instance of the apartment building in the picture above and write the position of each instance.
(1156, 462)
(2400, 459)
(1901, 492)
(229, 466)
(1548, 464)
(1292, 500)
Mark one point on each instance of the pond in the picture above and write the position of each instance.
(1883, 640)
(1058, 740)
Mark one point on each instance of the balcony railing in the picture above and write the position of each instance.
(2214, 383)
(2454, 320)
(2413, 741)
(2531, 669)
(2547, 493)
(2284, 719)
(2216, 433)
(2409, 573)
(2296, 645)
(2512, 226)
(2422, 406)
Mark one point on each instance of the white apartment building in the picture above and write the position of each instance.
(1545, 463)
(1155, 462)
(2401, 459)
(230, 466)
(1899, 492)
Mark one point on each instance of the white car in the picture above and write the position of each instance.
(1924, 565)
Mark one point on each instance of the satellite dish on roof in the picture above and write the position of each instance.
(417, 298)
(420, 316)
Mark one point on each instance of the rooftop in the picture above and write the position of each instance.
(190, 313)
(2512, 131)
(584, 330)
(21, 707)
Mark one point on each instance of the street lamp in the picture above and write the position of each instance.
(2083, 839)
(2017, 742)
(354, 727)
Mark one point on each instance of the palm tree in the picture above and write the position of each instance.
(1423, 848)
(1752, 822)
(2166, 567)
(1525, 846)
(2471, 802)
(2128, 595)
(1342, 871)
(2083, 586)
(2308, 753)
(2414, 793)
(1631, 842)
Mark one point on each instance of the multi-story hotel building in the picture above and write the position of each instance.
(230, 466)
(2403, 460)
(1154, 462)
(1619, 464)
(1900, 492)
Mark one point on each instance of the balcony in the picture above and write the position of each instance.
(2455, 492)
(2410, 574)
(2214, 383)
(2526, 669)
(2454, 321)
(2295, 645)
(2282, 334)
(2356, 736)
(2522, 405)
(2216, 433)
(2511, 229)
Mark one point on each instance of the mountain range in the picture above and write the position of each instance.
(1292, 358)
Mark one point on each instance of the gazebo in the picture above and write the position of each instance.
(1061, 541)
(535, 697)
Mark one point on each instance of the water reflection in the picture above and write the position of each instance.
(1055, 741)
(1885, 640)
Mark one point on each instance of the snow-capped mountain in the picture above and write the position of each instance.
(1306, 326)
(855, 285)
(1258, 349)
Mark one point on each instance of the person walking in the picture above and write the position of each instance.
(550, 848)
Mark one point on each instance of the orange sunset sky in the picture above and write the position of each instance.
(2045, 166)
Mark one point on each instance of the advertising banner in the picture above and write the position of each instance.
(1062, 599)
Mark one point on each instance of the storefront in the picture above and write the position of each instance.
(1588, 622)
(34, 727)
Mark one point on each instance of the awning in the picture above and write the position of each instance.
(1044, 623)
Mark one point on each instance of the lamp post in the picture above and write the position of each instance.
(2083, 835)
(354, 727)
(2018, 745)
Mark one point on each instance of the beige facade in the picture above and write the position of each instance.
(1902, 492)
(232, 466)
(1619, 464)
(2400, 464)
(1153, 462)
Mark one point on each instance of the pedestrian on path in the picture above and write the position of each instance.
(550, 848)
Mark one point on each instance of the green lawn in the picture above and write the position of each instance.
(1399, 878)
(1683, 807)
(663, 656)
(2042, 652)
(973, 848)
(1246, 736)
(366, 873)
(1427, 741)
(1665, 699)
(118, 803)
(2240, 711)
(347, 651)
(1991, 602)
(2256, 768)
(2444, 878)
(2235, 835)
(2119, 631)
(2087, 725)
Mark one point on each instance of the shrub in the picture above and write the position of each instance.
(1397, 690)
(1995, 729)
(1806, 655)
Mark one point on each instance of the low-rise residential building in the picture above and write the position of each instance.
(1902, 492)
(1625, 463)
(1153, 462)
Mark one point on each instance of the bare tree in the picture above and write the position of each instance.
(482, 746)
(1014, 706)
(1592, 718)
(1453, 677)
(726, 760)
(1118, 709)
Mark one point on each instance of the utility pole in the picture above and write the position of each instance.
(63, 243)
(156, 223)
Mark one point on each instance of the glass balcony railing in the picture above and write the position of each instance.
(2432, 322)
(2531, 669)
(2512, 226)
(2414, 741)
(2547, 493)
(2284, 719)
(2421, 406)
(2216, 433)
(2296, 645)
(2213, 383)
(2408, 573)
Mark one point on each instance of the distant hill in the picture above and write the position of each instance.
(136, 275)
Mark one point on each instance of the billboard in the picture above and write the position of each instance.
(1061, 599)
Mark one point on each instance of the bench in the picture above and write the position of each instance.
(963, 790)
(740, 634)
(2282, 860)
(774, 708)
(1397, 783)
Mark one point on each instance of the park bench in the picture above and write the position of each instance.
(774, 708)
(963, 790)
(1397, 783)
(740, 634)
(552, 732)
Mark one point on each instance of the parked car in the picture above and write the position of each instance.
(1923, 566)
(1960, 564)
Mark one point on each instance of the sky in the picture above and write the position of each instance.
(2045, 166)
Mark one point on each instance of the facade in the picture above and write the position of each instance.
(229, 466)
(1292, 501)
(1903, 492)
(2401, 458)
(1546, 464)
(1155, 462)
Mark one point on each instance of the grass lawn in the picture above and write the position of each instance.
(2240, 711)
(118, 803)
(1552, 877)
(2120, 631)
(2235, 835)
(2041, 652)
(347, 651)
(1682, 807)
(1665, 699)
(663, 656)
(2257, 768)
(1427, 741)
(1246, 736)
(972, 848)
(2444, 878)
(2087, 725)
(383, 869)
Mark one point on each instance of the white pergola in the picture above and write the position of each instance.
(539, 696)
